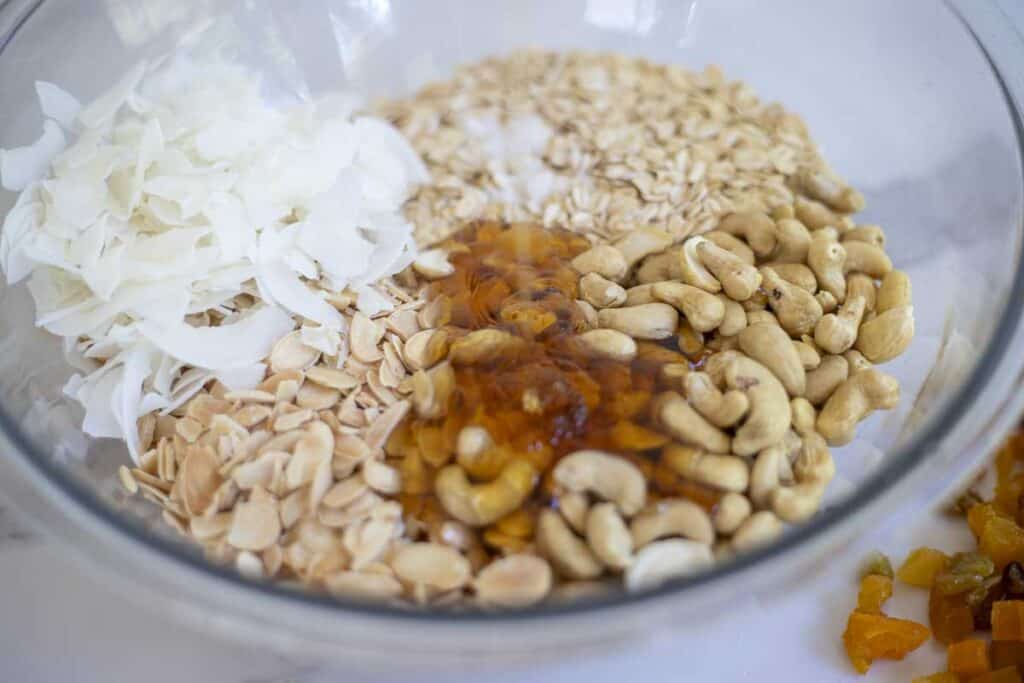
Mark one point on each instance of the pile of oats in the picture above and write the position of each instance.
(629, 143)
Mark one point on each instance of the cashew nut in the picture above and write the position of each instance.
(730, 512)
(678, 418)
(887, 335)
(723, 472)
(691, 267)
(827, 301)
(640, 294)
(796, 503)
(689, 340)
(770, 346)
(703, 310)
(721, 410)
(642, 242)
(672, 517)
(604, 259)
(734, 317)
(601, 292)
(608, 476)
(783, 211)
(824, 187)
(794, 239)
(853, 401)
(739, 280)
(659, 267)
(797, 309)
(814, 215)
(574, 507)
(813, 463)
(431, 390)
(609, 343)
(483, 504)
(870, 259)
(768, 418)
(646, 321)
(756, 530)
(859, 284)
(804, 415)
(836, 332)
(674, 373)
(894, 291)
(482, 346)
(872, 234)
(666, 560)
(827, 257)
(823, 380)
(472, 443)
(568, 554)
(513, 581)
(733, 245)
(765, 475)
(808, 354)
(762, 318)
(795, 273)
(609, 537)
(857, 362)
(757, 228)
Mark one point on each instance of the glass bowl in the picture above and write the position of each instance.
(916, 103)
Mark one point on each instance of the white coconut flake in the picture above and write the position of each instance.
(184, 188)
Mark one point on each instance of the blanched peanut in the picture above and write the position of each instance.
(666, 560)
(768, 418)
(721, 410)
(808, 354)
(601, 292)
(854, 400)
(872, 234)
(739, 280)
(703, 310)
(734, 318)
(887, 335)
(723, 472)
(798, 311)
(678, 418)
(770, 346)
(646, 321)
(826, 257)
(859, 284)
(731, 511)
(483, 504)
(824, 379)
(757, 228)
(609, 537)
(642, 242)
(610, 343)
(758, 529)
(568, 554)
(608, 476)
(862, 257)
(604, 259)
(733, 245)
(804, 415)
(836, 332)
(672, 517)
(794, 239)
(894, 291)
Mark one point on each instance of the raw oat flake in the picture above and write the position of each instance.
(176, 227)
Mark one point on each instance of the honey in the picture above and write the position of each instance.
(546, 395)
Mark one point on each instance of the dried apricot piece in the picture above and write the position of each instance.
(1002, 540)
(979, 515)
(921, 567)
(1008, 620)
(875, 636)
(941, 677)
(1005, 675)
(875, 589)
(968, 657)
(950, 617)
(1005, 653)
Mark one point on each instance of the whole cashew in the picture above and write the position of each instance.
(783, 212)
(827, 301)
(760, 528)
(679, 419)
(604, 259)
(824, 379)
(733, 245)
(672, 517)
(609, 343)
(797, 309)
(768, 418)
(608, 476)
(836, 332)
(739, 280)
(765, 475)
(689, 340)
(863, 257)
(722, 472)
(814, 215)
(589, 314)
(734, 318)
(859, 284)
(825, 188)
(692, 270)
(770, 346)
(814, 462)
(804, 415)
(666, 560)
(646, 321)
(574, 507)
(826, 257)
(483, 504)
(872, 234)
(857, 362)
(894, 291)
(660, 267)
(795, 273)
(609, 537)
(721, 410)
(808, 354)
(642, 242)
(731, 511)
(796, 503)
(853, 401)
(887, 335)
(640, 294)
(566, 552)
(757, 228)
(703, 310)
(762, 318)
(794, 240)
(481, 346)
(601, 292)
(476, 453)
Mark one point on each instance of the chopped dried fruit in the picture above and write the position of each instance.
(979, 515)
(876, 563)
(1013, 581)
(968, 657)
(950, 617)
(1008, 620)
(1002, 540)
(964, 572)
(875, 589)
(981, 599)
(875, 636)
(1005, 653)
(921, 567)
(941, 677)
(1005, 675)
